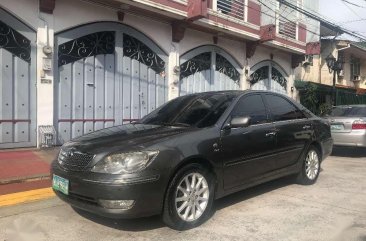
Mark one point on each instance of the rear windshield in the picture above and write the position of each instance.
(348, 111)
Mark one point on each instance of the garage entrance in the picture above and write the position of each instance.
(208, 68)
(17, 83)
(108, 74)
(267, 75)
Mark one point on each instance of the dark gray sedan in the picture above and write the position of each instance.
(192, 150)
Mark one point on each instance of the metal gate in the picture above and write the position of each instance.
(208, 68)
(109, 74)
(268, 75)
(17, 83)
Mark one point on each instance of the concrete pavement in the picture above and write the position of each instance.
(332, 209)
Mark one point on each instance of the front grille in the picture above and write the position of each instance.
(82, 198)
(74, 160)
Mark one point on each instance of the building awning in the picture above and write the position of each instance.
(344, 95)
(302, 86)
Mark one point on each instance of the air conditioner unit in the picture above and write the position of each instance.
(308, 60)
(356, 78)
(341, 74)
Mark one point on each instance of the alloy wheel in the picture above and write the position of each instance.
(192, 197)
(312, 165)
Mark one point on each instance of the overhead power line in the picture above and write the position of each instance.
(324, 22)
(354, 4)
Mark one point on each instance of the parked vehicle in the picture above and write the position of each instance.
(190, 151)
(348, 125)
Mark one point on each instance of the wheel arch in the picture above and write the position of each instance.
(192, 160)
(318, 146)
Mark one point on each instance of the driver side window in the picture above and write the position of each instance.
(251, 106)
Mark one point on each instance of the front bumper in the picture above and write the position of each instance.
(85, 189)
(355, 138)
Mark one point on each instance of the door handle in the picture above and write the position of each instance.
(271, 134)
(306, 127)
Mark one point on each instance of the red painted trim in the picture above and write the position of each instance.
(289, 43)
(313, 48)
(254, 13)
(232, 24)
(196, 9)
(302, 32)
(172, 4)
(130, 119)
(86, 120)
(268, 32)
(15, 121)
(47, 6)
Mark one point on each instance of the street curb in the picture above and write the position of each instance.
(32, 178)
(25, 197)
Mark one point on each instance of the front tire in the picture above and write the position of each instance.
(310, 168)
(189, 197)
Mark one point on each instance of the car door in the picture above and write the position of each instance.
(247, 152)
(293, 129)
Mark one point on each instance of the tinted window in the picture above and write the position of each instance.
(282, 109)
(191, 110)
(251, 106)
(348, 111)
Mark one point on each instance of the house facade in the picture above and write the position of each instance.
(350, 81)
(70, 67)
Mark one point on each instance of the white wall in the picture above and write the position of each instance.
(73, 13)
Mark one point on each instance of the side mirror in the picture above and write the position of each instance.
(238, 122)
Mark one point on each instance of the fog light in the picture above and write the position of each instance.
(117, 204)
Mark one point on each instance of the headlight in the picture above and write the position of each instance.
(129, 162)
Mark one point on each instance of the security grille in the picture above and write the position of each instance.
(47, 136)
(73, 160)
(233, 8)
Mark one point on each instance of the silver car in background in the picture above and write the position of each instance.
(348, 125)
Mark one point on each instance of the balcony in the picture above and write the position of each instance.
(233, 8)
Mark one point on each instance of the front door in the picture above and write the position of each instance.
(248, 152)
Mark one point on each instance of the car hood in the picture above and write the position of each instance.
(124, 137)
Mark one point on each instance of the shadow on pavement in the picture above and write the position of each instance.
(135, 225)
(349, 152)
(150, 223)
(253, 192)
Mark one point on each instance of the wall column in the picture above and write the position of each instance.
(173, 77)
(45, 75)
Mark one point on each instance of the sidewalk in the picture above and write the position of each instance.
(25, 169)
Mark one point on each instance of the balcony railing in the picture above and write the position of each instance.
(287, 28)
(233, 8)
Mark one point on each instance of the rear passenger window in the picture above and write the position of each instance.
(251, 106)
(281, 109)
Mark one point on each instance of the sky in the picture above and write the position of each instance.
(345, 14)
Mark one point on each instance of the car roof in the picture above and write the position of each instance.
(234, 92)
(360, 105)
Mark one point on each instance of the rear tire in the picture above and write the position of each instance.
(189, 197)
(310, 168)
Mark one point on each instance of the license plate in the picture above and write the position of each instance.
(336, 127)
(60, 184)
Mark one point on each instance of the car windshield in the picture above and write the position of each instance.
(352, 111)
(191, 110)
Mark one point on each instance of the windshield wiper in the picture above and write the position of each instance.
(174, 124)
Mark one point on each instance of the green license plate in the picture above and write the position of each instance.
(336, 127)
(60, 184)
